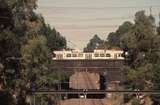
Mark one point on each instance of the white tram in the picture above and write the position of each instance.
(79, 55)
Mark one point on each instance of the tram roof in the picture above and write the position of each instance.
(79, 51)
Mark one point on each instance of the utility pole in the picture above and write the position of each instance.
(150, 10)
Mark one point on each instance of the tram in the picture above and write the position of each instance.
(79, 55)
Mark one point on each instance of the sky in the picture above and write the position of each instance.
(79, 20)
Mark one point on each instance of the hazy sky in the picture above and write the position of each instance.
(79, 20)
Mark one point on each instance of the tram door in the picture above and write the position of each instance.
(59, 56)
(115, 56)
(88, 56)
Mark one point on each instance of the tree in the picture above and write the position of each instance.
(114, 37)
(135, 102)
(103, 45)
(139, 40)
(93, 44)
(26, 45)
(142, 43)
(6, 16)
(37, 61)
(6, 98)
(156, 84)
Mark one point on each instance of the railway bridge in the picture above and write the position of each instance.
(92, 74)
(85, 72)
(111, 67)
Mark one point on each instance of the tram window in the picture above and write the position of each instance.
(108, 55)
(88, 56)
(54, 55)
(74, 55)
(102, 55)
(96, 55)
(119, 55)
(68, 55)
(80, 55)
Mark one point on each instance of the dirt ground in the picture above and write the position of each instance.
(86, 102)
(85, 80)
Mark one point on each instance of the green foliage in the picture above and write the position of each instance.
(6, 98)
(142, 43)
(6, 16)
(93, 44)
(114, 37)
(35, 54)
(26, 45)
(103, 45)
(37, 62)
(139, 41)
(141, 77)
(156, 84)
(135, 102)
(9, 48)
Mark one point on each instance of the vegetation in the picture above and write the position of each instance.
(26, 45)
(114, 37)
(6, 98)
(141, 40)
(93, 44)
(27, 42)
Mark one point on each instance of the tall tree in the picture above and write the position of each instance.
(139, 40)
(114, 37)
(142, 43)
(156, 84)
(93, 44)
(26, 45)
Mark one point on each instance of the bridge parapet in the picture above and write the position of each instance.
(113, 67)
(88, 63)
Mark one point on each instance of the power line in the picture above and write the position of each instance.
(113, 7)
(92, 91)
(94, 19)
(4, 17)
(68, 19)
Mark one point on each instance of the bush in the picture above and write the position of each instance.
(6, 98)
